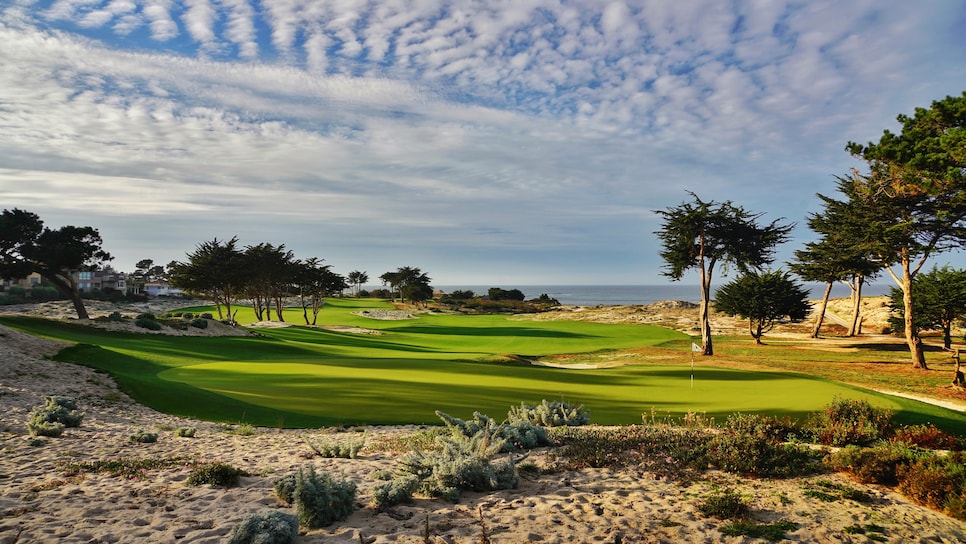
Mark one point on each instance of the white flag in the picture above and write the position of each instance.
(695, 347)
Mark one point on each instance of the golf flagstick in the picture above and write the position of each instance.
(694, 347)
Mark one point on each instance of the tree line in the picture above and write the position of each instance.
(908, 205)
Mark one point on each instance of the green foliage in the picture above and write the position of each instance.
(334, 448)
(829, 491)
(199, 323)
(849, 421)
(912, 197)
(42, 427)
(753, 445)
(146, 315)
(550, 414)
(870, 530)
(496, 293)
(597, 447)
(725, 504)
(764, 299)
(54, 416)
(43, 293)
(185, 432)
(757, 456)
(146, 323)
(319, 500)
(939, 483)
(242, 429)
(927, 436)
(879, 464)
(514, 435)
(462, 463)
(395, 491)
(772, 532)
(267, 527)
(206, 315)
(131, 469)
(938, 301)
(217, 473)
(143, 437)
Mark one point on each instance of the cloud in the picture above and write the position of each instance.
(525, 125)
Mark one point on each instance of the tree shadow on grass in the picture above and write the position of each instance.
(515, 331)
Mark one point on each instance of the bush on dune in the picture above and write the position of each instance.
(54, 416)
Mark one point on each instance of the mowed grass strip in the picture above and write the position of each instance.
(305, 377)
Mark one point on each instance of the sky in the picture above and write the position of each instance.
(504, 142)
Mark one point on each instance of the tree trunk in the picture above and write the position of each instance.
(912, 335)
(755, 333)
(821, 313)
(305, 307)
(69, 288)
(958, 379)
(856, 286)
(947, 334)
(78, 305)
(706, 346)
(279, 309)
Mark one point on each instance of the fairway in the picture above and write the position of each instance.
(309, 377)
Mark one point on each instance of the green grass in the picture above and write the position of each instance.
(305, 377)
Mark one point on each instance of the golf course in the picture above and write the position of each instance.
(401, 371)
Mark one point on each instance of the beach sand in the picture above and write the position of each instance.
(40, 502)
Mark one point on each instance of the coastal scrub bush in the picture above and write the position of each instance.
(217, 473)
(939, 483)
(266, 527)
(206, 315)
(343, 449)
(878, 464)
(550, 414)
(199, 323)
(185, 432)
(395, 491)
(149, 324)
(753, 446)
(319, 500)
(597, 447)
(143, 437)
(462, 463)
(147, 315)
(54, 416)
(849, 421)
(725, 504)
(927, 436)
(514, 435)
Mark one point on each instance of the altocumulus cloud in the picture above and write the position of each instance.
(525, 141)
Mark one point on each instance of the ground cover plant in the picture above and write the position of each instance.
(308, 377)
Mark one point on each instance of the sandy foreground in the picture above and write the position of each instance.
(40, 503)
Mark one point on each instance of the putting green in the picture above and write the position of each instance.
(391, 392)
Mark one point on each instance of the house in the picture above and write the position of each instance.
(27, 283)
(100, 280)
(161, 289)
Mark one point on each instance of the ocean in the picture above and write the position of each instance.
(609, 295)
